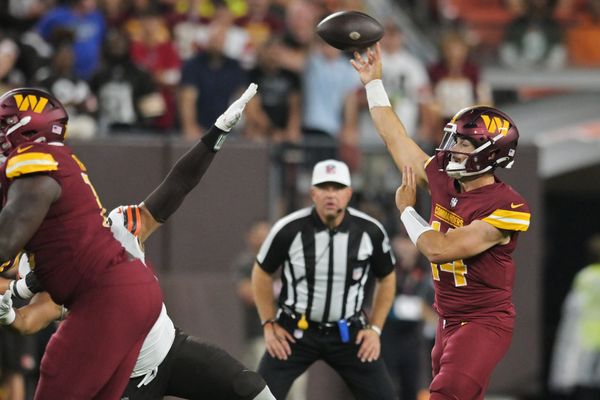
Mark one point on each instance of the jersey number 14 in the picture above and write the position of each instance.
(456, 267)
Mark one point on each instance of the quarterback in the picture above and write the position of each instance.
(472, 233)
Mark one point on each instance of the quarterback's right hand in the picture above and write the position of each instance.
(7, 313)
(232, 115)
(370, 68)
(276, 341)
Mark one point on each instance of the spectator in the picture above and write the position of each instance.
(74, 93)
(300, 21)
(192, 32)
(242, 268)
(583, 36)
(10, 75)
(330, 105)
(408, 85)
(115, 12)
(208, 81)
(456, 82)
(402, 343)
(534, 39)
(21, 55)
(128, 100)
(18, 16)
(83, 19)
(261, 23)
(205, 11)
(156, 54)
(274, 114)
(576, 360)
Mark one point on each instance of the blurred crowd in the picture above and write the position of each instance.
(171, 67)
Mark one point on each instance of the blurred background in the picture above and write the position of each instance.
(142, 80)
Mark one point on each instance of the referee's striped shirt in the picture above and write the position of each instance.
(325, 271)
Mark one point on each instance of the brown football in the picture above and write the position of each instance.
(350, 30)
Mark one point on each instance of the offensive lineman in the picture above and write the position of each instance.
(170, 362)
(51, 210)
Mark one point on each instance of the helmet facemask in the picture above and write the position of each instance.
(492, 134)
(472, 164)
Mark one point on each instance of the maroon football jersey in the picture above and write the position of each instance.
(479, 287)
(73, 244)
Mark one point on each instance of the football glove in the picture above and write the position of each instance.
(7, 313)
(232, 115)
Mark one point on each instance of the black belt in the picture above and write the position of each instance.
(357, 320)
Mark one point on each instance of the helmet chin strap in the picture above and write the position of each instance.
(456, 170)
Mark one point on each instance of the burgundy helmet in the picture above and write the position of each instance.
(492, 132)
(30, 115)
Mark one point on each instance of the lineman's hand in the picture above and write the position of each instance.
(278, 341)
(232, 115)
(370, 345)
(406, 195)
(7, 313)
(370, 68)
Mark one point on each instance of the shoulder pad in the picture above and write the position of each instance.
(30, 158)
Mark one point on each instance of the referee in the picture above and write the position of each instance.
(327, 252)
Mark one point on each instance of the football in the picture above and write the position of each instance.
(350, 30)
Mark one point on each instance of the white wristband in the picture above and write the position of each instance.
(20, 289)
(376, 95)
(375, 329)
(415, 224)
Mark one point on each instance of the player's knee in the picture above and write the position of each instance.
(248, 385)
(454, 386)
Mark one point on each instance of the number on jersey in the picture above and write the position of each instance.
(457, 267)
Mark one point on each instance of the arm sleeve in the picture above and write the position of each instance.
(183, 177)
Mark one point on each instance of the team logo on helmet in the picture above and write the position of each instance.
(494, 124)
(25, 103)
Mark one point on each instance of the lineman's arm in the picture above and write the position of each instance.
(35, 316)
(189, 169)
(27, 203)
(187, 112)
(403, 149)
